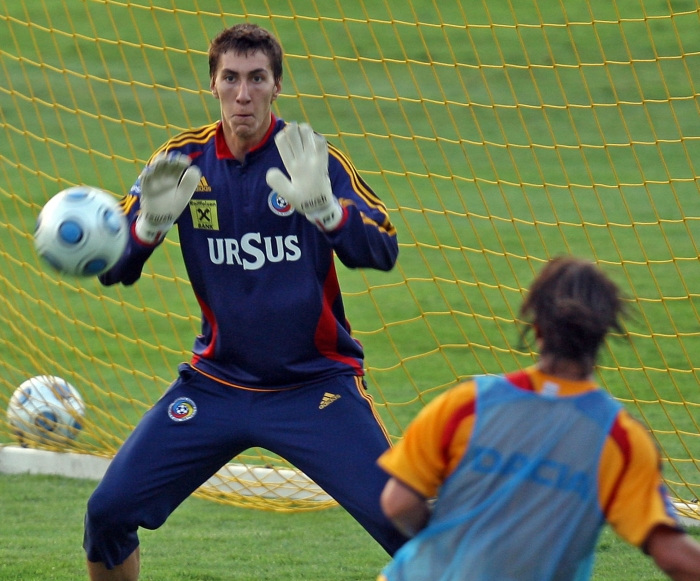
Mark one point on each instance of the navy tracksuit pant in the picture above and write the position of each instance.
(199, 425)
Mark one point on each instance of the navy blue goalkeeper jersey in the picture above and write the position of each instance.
(264, 276)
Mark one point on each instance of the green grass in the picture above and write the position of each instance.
(202, 541)
(41, 538)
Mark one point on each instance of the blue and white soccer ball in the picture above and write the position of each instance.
(81, 231)
(46, 408)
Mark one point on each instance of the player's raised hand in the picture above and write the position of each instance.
(308, 187)
(167, 184)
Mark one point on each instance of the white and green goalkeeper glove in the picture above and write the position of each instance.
(167, 184)
(308, 188)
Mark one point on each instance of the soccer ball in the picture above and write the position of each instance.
(81, 231)
(46, 408)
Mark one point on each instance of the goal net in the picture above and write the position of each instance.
(498, 133)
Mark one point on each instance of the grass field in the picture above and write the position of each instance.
(494, 147)
(205, 541)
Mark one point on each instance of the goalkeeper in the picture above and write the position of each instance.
(262, 207)
(530, 465)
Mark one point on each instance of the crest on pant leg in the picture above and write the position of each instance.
(183, 408)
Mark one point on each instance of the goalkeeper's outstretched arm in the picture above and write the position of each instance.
(154, 203)
(322, 184)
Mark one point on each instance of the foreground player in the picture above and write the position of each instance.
(529, 466)
(275, 365)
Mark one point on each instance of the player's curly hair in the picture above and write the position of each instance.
(571, 306)
(246, 38)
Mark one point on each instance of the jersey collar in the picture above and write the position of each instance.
(542, 382)
(222, 150)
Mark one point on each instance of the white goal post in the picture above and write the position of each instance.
(244, 480)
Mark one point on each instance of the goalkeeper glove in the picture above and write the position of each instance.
(308, 188)
(167, 184)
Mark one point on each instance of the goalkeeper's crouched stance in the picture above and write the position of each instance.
(331, 443)
(262, 207)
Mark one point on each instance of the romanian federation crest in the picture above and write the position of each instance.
(279, 205)
(183, 408)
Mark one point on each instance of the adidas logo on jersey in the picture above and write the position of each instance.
(203, 185)
(328, 399)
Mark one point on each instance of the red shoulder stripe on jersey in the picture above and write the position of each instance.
(621, 438)
(462, 413)
(520, 379)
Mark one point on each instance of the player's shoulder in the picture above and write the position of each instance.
(442, 417)
(459, 397)
(191, 142)
(464, 391)
(632, 438)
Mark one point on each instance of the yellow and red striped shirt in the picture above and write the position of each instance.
(631, 492)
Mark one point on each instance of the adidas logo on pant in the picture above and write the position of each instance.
(328, 399)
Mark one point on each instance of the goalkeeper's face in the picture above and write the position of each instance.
(246, 88)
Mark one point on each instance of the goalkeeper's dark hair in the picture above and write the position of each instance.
(572, 305)
(245, 39)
